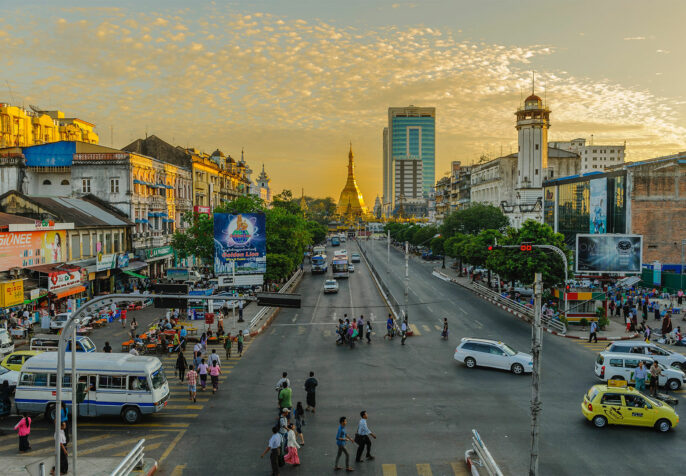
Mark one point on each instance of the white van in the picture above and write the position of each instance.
(615, 366)
(49, 343)
(663, 355)
(6, 343)
(115, 384)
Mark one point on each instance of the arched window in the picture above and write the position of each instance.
(65, 182)
(47, 182)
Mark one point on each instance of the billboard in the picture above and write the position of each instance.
(241, 240)
(59, 280)
(12, 293)
(598, 207)
(609, 253)
(21, 249)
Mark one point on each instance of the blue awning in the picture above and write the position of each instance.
(162, 214)
(170, 187)
(138, 220)
(143, 220)
(138, 182)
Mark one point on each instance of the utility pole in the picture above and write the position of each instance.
(74, 400)
(407, 276)
(388, 252)
(535, 375)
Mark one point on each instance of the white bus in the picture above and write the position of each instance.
(115, 384)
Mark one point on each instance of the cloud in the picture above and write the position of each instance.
(634, 38)
(662, 52)
(287, 89)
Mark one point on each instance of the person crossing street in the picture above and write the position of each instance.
(362, 438)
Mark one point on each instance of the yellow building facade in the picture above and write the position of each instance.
(22, 128)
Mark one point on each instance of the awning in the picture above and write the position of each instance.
(135, 265)
(70, 292)
(135, 275)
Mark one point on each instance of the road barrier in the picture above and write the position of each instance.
(385, 292)
(266, 310)
(131, 461)
(478, 457)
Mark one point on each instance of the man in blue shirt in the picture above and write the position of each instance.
(273, 448)
(341, 438)
(362, 438)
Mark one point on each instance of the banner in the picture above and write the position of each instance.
(240, 239)
(104, 262)
(60, 280)
(12, 293)
(21, 249)
(122, 260)
(598, 206)
(620, 254)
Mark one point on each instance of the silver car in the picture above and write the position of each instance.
(491, 353)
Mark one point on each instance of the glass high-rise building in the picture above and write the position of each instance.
(411, 136)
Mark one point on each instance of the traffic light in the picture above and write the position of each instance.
(526, 247)
(493, 247)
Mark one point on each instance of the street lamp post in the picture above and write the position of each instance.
(407, 276)
(536, 344)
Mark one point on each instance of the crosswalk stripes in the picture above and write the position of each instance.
(415, 330)
(454, 468)
(437, 327)
(426, 328)
(424, 469)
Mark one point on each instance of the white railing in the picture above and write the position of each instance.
(478, 457)
(131, 461)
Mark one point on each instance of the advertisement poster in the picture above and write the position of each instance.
(104, 262)
(620, 254)
(12, 293)
(21, 249)
(598, 206)
(240, 239)
(59, 280)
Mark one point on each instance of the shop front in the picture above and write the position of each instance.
(131, 274)
(158, 259)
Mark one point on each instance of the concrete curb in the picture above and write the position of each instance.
(519, 315)
(153, 469)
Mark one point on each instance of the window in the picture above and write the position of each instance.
(114, 185)
(47, 182)
(34, 380)
(631, 363)
(64, 182)
(86, 244)
(495, 351)
(15, 359)
(75, 247)
(611, 399)
(618, 348)
(86, 185)
(139, 384)
(116, 242)
(108, 243)
(616, 363)
(536, 146)
(634, 401)
(536, 171)
(112, 381)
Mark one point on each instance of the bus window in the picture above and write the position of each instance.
(158, 378)
(40, 380)
(139, 384)
(112, 381)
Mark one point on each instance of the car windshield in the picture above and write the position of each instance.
(3, 370)
(87, 345)
(666, 351)
(509, 350)
(592, 394)
(158, 378)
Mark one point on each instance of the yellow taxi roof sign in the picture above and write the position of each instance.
(616, 383)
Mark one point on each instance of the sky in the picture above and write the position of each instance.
(294, 81)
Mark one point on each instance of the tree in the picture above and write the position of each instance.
(317, 231)
(278, 266)
(437, 245)
(423, 235)
(285, 200)
(196, 240)
(474, 219)
(455, 247)
(242, 204)
(514, 265)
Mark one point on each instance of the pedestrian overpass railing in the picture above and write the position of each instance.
(265, 310)
(479, 459)
(393, 303)
(131, 461)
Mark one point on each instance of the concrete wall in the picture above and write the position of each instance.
(54, 188)
(100, 176)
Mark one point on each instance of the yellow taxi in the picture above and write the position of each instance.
(618, 404)
(15, 360)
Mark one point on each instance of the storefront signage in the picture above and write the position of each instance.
(45, 224)
(35, 293)
(158, 252)
(59, 280)
(202, 210)
(104, 262)
(123, 260)
(598, 206)
(12, 293)
(31, 248)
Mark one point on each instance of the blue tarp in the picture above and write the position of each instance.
(55, 154)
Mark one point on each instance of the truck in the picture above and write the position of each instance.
(183, 275)
(319, 264)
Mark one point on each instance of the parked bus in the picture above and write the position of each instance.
(335, 241)
(319, 264)
(114, 384)
(339, 267)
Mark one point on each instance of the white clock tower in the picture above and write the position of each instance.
(533, 121)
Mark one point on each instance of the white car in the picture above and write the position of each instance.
(330, 286)
(11, 376)
(616, 366)
(663, 355)
(351, 268)
(491, 353)
(59, 321)
(355, 257)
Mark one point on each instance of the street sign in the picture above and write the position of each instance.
(241, 280)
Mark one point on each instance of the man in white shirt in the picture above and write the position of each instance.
(273, 448)
(362, 438)
(403, 331)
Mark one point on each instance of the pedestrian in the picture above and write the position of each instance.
(390, 327)
(593, 332)
(273, 448)
(220, 326)
(285, 396)
(214, 357)
(360, 327)
(215, 371)
(369, 331)
(311, 390)
(655, 373)
(628, 323)
(666, 325)
(239, 343)
(107, 348)
(64, 418)
(283, 431)
(192, 379)
(64, 456)
(134, 326)
(403, 332)
(203, 342)
(640, 375)
(227, 345)
(444, 333)
(122, 315)
(656, 309)
(24, 430)
(647, 332)
(202, 372)
(362, 438)
(299, 421)
(240, 311)
(341, 439)
(292, 447)
(181, 365)
(197, 350)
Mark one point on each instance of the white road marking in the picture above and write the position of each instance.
(294, 317)
(478, 324)
(429, 308)
(316, 305)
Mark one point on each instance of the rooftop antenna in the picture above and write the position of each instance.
(545, 93)
(533, 81)
(10, 90)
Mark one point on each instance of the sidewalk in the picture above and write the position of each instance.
(615, 330)
(30, 464)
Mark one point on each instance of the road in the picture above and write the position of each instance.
(421, 403)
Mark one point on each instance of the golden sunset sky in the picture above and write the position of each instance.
(294, 81)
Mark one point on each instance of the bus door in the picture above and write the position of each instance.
(88, 407)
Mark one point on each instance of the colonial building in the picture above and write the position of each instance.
(594, 157)
(351, 203)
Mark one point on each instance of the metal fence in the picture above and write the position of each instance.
(130, 461)
(393, 303)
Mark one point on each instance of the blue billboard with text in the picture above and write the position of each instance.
(241, 241)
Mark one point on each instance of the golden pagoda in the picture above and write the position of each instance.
(351, 203)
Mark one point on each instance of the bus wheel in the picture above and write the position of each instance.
(50, 413)
(131, 415)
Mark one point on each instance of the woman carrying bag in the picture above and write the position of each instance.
(215, 371)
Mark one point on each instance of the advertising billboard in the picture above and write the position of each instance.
(609, 253)
(12, 293)
(60, 280)
(241, 240)
(21, 249)
(598, 206)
